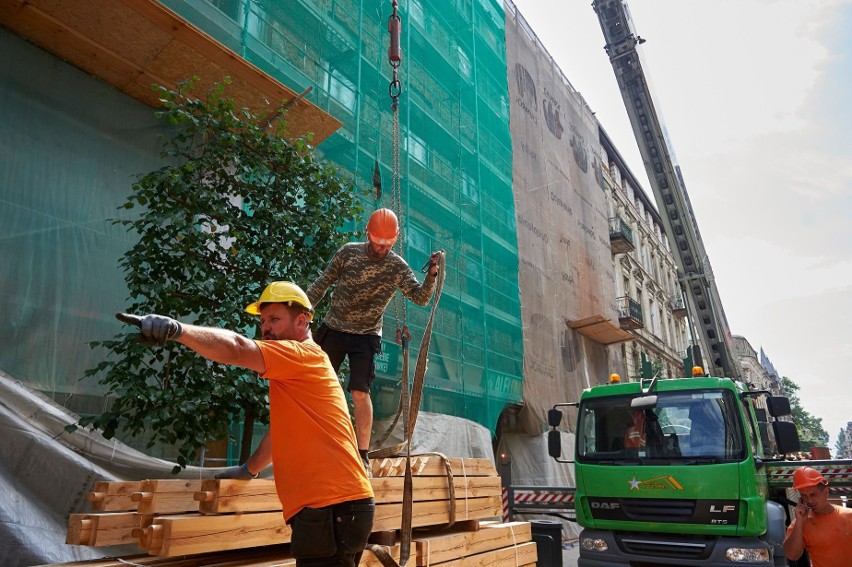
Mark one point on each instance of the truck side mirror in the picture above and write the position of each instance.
(778, 406)
(554, 443)
(786, 436)
(554, 417)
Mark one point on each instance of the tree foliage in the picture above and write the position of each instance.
(811, 432)
(237, 205)
(841, 450)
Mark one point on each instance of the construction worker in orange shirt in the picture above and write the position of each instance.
(818, 526)
(365, 275)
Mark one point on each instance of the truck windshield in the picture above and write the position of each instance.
(696, 427)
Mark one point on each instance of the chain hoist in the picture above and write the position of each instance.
(403, 335)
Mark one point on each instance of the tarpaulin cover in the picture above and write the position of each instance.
(566, 268)
(45, 471)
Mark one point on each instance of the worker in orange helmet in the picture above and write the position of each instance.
(819, 526)
(365, 276)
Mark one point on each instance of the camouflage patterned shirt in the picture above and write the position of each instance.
(363, 288)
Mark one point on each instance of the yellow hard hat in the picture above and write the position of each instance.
(282, 292)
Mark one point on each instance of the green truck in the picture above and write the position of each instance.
(683, 472)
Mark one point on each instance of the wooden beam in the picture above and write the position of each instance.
(446, 546)
(390, 489)
(512, 556)
(226, 496)
(189, 534)
(436, 513)
(259, 495)
(432, 466)
(99, 529)
(107, 496)
(167, 496)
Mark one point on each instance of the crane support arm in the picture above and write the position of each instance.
(696, 275)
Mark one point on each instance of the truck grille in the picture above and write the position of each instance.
(686, 548)
(658, 510)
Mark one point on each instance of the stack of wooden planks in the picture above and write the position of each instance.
(238, 523)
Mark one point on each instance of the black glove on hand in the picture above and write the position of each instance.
(237, 473)
(154, 329)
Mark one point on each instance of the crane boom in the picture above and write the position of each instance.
(696, 275)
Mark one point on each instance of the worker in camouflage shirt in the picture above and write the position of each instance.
(365, 276)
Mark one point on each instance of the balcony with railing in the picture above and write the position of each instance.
(620, 236)
(678, 306)
(629, 313)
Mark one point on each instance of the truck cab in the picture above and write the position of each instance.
(673, 473)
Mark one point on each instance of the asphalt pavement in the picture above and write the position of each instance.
(570, 553)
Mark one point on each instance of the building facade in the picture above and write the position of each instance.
(756, 372)
(649, 300)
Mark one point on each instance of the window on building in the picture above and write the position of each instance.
(468, 187)
(416, 148)
(341, 89)
(465, 68)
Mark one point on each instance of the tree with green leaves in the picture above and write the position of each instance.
(811, 432)
(841, 449)
(237, 205)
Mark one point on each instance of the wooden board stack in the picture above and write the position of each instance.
(238, 523)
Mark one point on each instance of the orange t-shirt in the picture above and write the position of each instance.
(828, 538)
(634, 435)
(314, 451)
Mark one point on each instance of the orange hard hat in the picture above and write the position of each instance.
(383, 227)
(807, 476)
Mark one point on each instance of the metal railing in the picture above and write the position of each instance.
(629, 308)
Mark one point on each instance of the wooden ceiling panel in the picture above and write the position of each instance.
(132, 44)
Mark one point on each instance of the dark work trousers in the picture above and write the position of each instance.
(333, 536)
(361, 350)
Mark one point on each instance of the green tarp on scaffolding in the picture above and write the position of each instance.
(72, 145)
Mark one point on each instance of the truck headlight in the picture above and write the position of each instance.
(749, 555)
(593, 544)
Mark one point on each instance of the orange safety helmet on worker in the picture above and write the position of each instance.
(283, 292)
(383, 227)
(806, 477)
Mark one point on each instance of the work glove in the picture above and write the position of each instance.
(431, 266)
(153, 329)
(237, 473)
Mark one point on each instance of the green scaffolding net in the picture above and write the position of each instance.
(71, 153)
(456, 164)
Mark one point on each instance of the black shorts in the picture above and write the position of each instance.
(361, 350)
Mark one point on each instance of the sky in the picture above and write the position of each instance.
(756, 96)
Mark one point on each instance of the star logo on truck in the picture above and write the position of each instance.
(664, 482)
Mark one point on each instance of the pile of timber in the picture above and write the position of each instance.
(189, 523)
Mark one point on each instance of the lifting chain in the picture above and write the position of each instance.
(403, 335)
(394, 56)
